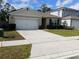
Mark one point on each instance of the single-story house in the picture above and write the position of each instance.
(71, 21)
(31, 19)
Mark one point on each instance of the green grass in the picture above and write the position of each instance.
(11, 35)
(15, 52)
(64, 32)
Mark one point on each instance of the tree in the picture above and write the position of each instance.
(4, 14)
(7, 7)
(1, 11)
(1, 4)
(44, 8)
(13, 8)
(5, 11)
(1, 1)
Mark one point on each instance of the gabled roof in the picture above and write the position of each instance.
(24, 12)
(31, 13)
(66, 8)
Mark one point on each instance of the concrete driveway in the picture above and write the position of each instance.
(39, 36)
(46, 45)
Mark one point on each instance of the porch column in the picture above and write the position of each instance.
(44, 26)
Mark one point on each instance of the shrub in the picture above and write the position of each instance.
(54, 26)
(6, 26)
(12, 26)
(49, 27)
(1, 33)
(9, 27)
(69, 28)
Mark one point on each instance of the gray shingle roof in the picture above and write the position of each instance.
(71, 17)
(66, 8)
(31, 13)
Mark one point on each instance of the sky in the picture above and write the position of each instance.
(35, 4)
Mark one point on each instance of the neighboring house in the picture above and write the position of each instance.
(63, 12)
(72, 21)
(68, 15)
(31, 19)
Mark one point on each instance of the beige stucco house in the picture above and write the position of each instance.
(31, 19)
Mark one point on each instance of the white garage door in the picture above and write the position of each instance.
(27, 24)
(75, 23)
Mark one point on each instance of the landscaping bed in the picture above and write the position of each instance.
(64, 32)
(15, 52)
(11, 35)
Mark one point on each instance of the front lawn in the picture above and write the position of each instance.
(15, 52)
(11, 35)
(64, 32)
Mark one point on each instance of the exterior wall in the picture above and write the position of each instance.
(61, 13)
(75, 23)
(57, 13)
(68, 21)
(11, 19)
(54, 20)
(54, 13)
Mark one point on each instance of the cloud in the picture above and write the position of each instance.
(35, 1)
(49, 5)
(5, 1)
(25, 1)
(58, 3)
(18, 3)
(75, 6)
(22, 5)
(64, 2)
(29, 1)
(67, 2)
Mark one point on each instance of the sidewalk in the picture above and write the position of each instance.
(73, 38)
(13, 43)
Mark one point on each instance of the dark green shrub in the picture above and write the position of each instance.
(69, 28)
(8, 27)
(1, 33)
(12, 26)
(55, 27)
